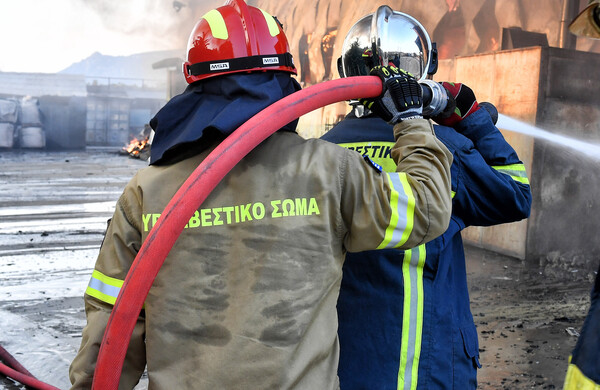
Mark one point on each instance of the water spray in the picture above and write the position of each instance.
(511, 124)
(435, 101)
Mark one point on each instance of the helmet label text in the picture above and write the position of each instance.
(271, 61)
(219, 66)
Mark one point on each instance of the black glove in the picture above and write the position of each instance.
(401, 98)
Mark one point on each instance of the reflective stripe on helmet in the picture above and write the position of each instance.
(271, 24)
(104, 287)
(402, 202)
(218, 27)
(515, 171)
(215, 20)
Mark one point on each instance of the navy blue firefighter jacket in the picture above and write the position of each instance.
(584, 365)
(404, 316)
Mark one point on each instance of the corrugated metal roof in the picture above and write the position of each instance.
(42, 84)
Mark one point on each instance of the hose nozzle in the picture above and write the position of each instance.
(437, 102)
(435, 98)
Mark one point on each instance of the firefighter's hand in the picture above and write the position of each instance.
(401, 98)
(462, 99)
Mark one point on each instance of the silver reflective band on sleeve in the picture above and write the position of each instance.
(515, 171)
(402, 203)
(104, 287)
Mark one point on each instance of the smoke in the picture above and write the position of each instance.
(165, 25)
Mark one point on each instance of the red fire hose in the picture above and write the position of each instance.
(25, 379)
(10, 361)
(13, 369)
(190, 196)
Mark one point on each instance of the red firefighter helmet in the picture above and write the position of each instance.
(236, 38)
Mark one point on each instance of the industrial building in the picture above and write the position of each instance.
(78, 111)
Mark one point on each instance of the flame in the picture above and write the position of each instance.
(328, 40)
(136, 146)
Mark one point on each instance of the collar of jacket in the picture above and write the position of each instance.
(212, 109)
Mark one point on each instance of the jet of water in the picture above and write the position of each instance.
(511, 124)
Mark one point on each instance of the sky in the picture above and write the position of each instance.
(47, 36)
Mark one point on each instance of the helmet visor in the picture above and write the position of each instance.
(383, 38)
(357, 52)
(402, 40)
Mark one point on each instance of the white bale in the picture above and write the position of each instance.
(8, 111)
(7, 132)
(30, 112)
(32, 137)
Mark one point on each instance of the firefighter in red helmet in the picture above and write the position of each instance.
(221, 43)
(246, 298)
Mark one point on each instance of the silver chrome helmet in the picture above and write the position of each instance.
(383, 37)
(587, 23)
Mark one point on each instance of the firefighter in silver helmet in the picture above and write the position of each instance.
(404, 315)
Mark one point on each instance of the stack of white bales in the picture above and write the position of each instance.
(32, 133)
(9, 115)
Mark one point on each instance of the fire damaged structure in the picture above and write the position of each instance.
(118, 109)
(460, 27)
(51, 110)
(72, 112)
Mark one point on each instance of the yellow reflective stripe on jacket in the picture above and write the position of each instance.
(412, 318)
(217, 24)
(515, 171)
(271, 23)
(104, 287)
(402, 202)
(575, 379)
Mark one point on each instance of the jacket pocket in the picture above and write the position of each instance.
(471, 344)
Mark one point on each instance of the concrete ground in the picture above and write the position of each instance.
(528, 320)
(53, 212)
